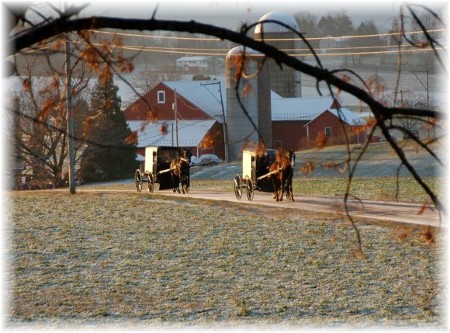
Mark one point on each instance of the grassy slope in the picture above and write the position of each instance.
(378, 161)
(153, 260)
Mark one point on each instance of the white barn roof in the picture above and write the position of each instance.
(206, 97)
(348, 116)
(190, 132)
(193, 58)
(299, 108)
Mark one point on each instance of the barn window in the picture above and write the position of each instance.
(161, 97)
(328, 132)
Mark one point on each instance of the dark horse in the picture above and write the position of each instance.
(283, 171)
(179, 171)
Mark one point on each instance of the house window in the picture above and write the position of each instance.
(328, 132)
(161, 97)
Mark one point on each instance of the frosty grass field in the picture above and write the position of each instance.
(150, 260)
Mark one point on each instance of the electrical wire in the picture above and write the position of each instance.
(266, 39)
(223, 52)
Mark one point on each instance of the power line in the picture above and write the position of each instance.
(399, 33)
(223, 53)
(414, 50)
(215, 39)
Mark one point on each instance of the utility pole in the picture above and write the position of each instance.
(426, 87)
(175, 110)
(70, 130)
(225, 129)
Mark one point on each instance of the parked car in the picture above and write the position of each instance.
(195, 161)
(210, 159)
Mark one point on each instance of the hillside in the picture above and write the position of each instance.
(378, 161)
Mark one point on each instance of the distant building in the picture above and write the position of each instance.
(198, 112)
(331, 124)
(297, 122)
(332, 44)
(193, 65)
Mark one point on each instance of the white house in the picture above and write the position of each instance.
(195, 64)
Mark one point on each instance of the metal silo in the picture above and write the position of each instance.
(254, 91)
(287, 81)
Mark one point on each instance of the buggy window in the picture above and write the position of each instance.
(167, 156)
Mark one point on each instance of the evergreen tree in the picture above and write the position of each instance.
(365, 28)
(338, 24)
(307, 24)
(108, 156)
(395, 30)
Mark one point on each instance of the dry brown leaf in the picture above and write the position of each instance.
(132, 138)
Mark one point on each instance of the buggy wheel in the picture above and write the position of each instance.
(138, 180)
(150, 182)
(237, 187)
(249, 189)
(185, 184)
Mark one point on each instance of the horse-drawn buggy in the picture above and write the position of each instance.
(270, 171)
(166, 166)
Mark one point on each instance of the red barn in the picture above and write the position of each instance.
(297, 121)
(189, 112)
(330, 125)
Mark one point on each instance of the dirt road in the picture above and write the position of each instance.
(379, 210)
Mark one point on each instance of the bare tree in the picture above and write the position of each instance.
(41, 110)
(146, 79)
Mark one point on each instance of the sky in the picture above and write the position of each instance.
(230, 13)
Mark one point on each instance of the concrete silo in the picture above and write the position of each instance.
(287, 81)
(254, 92)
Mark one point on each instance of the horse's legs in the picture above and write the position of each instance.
(289, 187)
(277, 189)
(291, 190)
(173, 182)
(274, 187)
(282, 188)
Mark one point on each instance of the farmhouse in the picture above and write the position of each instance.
(195, 64)
(185, 112)
(199, 117)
